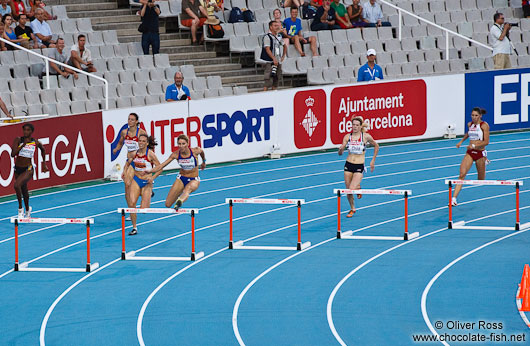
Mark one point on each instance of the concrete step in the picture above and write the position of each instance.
(112, 19)
(114, 14)
(94, 6)
(134, 31)
(191, 56)
(174, 43)
(249, 85)
(72, 2)
(211, 69)
(224, 73)
(186, 48)
(243, 80)
(201, 62)
(137, 37)
(121, 26)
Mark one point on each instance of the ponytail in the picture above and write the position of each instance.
(479, 110)
(151, 142)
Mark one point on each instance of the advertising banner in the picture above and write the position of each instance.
(503, 93)
(74, 151)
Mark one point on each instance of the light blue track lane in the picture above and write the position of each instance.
(288, 305)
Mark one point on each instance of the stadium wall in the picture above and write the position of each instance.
(232, 128)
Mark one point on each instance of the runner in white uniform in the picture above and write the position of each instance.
(142, 182)
(479, 137)
(188, 179)
(23, 150)
(354, 169)
(129, 137)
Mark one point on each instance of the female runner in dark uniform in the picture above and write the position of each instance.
(23, 150)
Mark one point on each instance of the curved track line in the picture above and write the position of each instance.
(518, 304)
(444, 269)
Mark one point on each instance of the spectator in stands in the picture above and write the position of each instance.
(273, 51)
(324, 18)
(2, 44)
(3, 107)
(17, 8)
(370, 71)
(24, 32)
(193, 16)
(212, 6)
(4, 8)
(80, 56)
(293, 26)
(177, 91)
(59, 55)
(40, 4)
(291, 3)
(526, 8)
(341, 15)
(373, 15)
(502, 47)
(150, 26)
(355, 13)
(9, 33)
(277, 14)
(42, 30)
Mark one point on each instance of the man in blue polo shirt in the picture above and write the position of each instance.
(177, 91)
(293, 25)
(370, 71)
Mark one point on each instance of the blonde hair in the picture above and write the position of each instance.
(364, 126)
(184, 137)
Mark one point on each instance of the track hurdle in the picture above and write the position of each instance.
(462, 224)
(238, 245)
(131, 255)
(349, 234)
(24, 266)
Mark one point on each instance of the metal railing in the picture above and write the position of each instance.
(447, 31)
(47, 64)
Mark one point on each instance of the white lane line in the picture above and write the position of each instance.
(291, 178)
(444, 269)
(330, 300)
(518, 304)
(339, 285)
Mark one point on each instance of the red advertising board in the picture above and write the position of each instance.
(310, 118)
(74, 151)
(391, 110)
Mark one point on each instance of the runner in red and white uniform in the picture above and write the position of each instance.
(129, 137)
(479, 137)
(355, 143)
(23, 150)
(188, 179)
(142, 183)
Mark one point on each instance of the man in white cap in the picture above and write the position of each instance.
(370, 71)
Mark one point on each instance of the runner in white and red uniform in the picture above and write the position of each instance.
(479, 137)
(188, 179)
(23, 150)
(129, 137)
(142, 183)
(355, 143)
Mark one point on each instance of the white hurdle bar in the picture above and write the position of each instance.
(239, 244)
(461, 224)
(131, 255)
(349, 234)
(82, 221)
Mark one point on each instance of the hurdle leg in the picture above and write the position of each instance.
(299, 244)
(88, 246)
(193, 255)
(338, 215)
(406, 235)
(123, 234)
(16, 245)
(450, 223)
(517, 226)
(231, 241)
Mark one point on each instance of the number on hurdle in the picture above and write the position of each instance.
(25, 265)
(349, 234)
(239, 244)
(462, 224)
(131, 255)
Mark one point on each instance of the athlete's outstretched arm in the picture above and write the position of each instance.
(154, 160)
(159, 168)
(466, 136)
(43, 155)
(344, 143)
(120, 143)
(15, 148)
(371, 140)
(203, 157)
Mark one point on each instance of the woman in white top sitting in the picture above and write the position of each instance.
(479, 137)
(355, 143)
(23, 150)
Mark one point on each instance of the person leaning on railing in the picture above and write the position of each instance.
(500, 41)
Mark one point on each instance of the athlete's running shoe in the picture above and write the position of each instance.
(21, 213)
(178, 204)
(454, 203)
(350, 214)
(28, 213)
(134, 231)
(128, 218)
